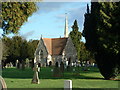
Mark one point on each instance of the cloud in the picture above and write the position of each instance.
(58, 10)
(78, 14)
(60, 16)
(76, 11)
(73, 13)
(46, 7)
(27, 34)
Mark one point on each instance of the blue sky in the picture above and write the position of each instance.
(49, 20)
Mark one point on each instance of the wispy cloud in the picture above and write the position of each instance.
(77, 13)
(47, 7)
(27, 34)
(73, 13)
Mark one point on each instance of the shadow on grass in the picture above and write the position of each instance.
(17, 73)
(46, 73)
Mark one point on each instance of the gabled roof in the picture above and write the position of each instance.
(55, 46)
(48, 44)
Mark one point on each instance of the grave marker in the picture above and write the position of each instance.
(68, 85)
(35, 79)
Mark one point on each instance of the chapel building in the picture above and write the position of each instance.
(56, 50)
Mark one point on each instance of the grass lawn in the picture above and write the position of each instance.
(16, 78)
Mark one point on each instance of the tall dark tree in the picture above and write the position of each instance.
(85, 55)
(102, 36)
(23, 50)
(14, 14)
(16, 47)
(32, 45)
(76, 37)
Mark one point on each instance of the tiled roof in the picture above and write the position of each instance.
(55, 46)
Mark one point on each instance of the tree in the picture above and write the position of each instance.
(6, 47)
(76, 37)
(102, 36)
(23, 50)
(32, 45)
(14, 14)
(85, 55)
(7, 50)
(17, 48)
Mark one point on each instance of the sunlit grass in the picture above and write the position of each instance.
(16, 78)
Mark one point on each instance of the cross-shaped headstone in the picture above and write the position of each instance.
(35, 79)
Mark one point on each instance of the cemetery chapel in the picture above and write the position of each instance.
(56, 50)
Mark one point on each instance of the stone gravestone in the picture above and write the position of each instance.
(20, 65)
(11, 65)
(68, 85)
(35, 79)
(17, 64)
(27, 63)
(76, 71)
(69, 65)
(62, 68)
(56, 70)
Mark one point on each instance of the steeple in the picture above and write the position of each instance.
(41, 36)
(66, 26)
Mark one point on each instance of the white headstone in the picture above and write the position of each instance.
(51, 70)
(72, 64)
(58, 65)
(66, 63)
(11, 65)
(74, 70)
(68, 85)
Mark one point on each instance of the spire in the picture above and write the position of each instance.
(41, 36)
(66, 26)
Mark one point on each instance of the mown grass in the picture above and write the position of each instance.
(16, 78)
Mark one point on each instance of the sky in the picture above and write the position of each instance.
(49, 20)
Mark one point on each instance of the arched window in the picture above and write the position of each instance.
(41, 54)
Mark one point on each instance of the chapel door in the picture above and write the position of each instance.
(69, 61)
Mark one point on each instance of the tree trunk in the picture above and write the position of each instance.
(1, 55)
